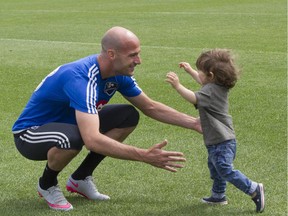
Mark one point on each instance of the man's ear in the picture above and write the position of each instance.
(111, 53)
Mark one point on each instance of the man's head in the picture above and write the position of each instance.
(122, 48)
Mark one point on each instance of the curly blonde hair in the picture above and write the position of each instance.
(221, 63)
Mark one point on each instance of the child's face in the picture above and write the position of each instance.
(203, 77)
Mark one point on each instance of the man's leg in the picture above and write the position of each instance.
(48, 184)
(58, 144)
(57, 159)
(116, 122)
(120, 134)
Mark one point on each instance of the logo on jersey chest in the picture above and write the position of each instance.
(110, 88)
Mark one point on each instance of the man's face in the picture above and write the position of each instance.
(126, 59)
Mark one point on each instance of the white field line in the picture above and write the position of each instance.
(82, 43)
(136, 12)
(47, 41)
(144, 46)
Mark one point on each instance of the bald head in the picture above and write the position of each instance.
(118, 38)
(120, 52)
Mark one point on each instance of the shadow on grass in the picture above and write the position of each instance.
(126, 207)
(29, 206)
(202, 209)
(37, 206)
(148, 207)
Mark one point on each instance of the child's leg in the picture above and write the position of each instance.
(219, 185)
(223, 161)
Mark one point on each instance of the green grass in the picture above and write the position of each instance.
(37, 36)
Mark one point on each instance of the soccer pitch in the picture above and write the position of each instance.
(36, 36)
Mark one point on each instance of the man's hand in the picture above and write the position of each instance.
(157, 157)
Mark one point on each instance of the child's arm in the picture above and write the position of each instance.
(188, 95)
(186, 66)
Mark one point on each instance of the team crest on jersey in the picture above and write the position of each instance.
(110, 88)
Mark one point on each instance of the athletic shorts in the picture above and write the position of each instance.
(35, 142)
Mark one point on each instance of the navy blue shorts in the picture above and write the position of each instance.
(35, 143)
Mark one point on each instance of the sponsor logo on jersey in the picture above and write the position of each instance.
(100, 104)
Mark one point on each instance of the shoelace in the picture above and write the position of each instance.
(57, 194)
(90, 183)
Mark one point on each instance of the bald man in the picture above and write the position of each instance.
(68, 110)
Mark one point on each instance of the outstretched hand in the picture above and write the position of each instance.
(160, 158)
(172, 78)
(186, 66)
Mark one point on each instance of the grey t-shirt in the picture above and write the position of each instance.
(212, 103)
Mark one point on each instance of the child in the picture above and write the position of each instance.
(217, 73)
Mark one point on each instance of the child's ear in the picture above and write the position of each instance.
(211, 75)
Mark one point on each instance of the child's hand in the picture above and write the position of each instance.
(173, 79)
(186, 66)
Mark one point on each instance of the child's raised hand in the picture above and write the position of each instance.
(173, 79)
(186, 66)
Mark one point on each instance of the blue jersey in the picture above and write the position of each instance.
(74, 86)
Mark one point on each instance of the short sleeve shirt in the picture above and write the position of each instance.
(216, 123)
(74, 86)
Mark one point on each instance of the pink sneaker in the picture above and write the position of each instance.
(86, 188)
(55, 198)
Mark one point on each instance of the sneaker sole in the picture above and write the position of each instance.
(215, 203)
(262, 197)
(72, 190)
(67, 207)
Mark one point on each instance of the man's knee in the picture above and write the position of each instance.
(118, 116)
(132, 117)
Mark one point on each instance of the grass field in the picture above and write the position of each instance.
(36, 36)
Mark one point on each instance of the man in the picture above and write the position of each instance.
(67, 110)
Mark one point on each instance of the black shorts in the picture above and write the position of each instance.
(35, 143)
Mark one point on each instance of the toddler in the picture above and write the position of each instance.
(217, 73)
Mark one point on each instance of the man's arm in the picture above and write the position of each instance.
(164, 113)
(95, 141)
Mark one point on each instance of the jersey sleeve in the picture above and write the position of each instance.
(129, 87)
(82, 94)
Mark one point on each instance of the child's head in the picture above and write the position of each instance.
(219, 67)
